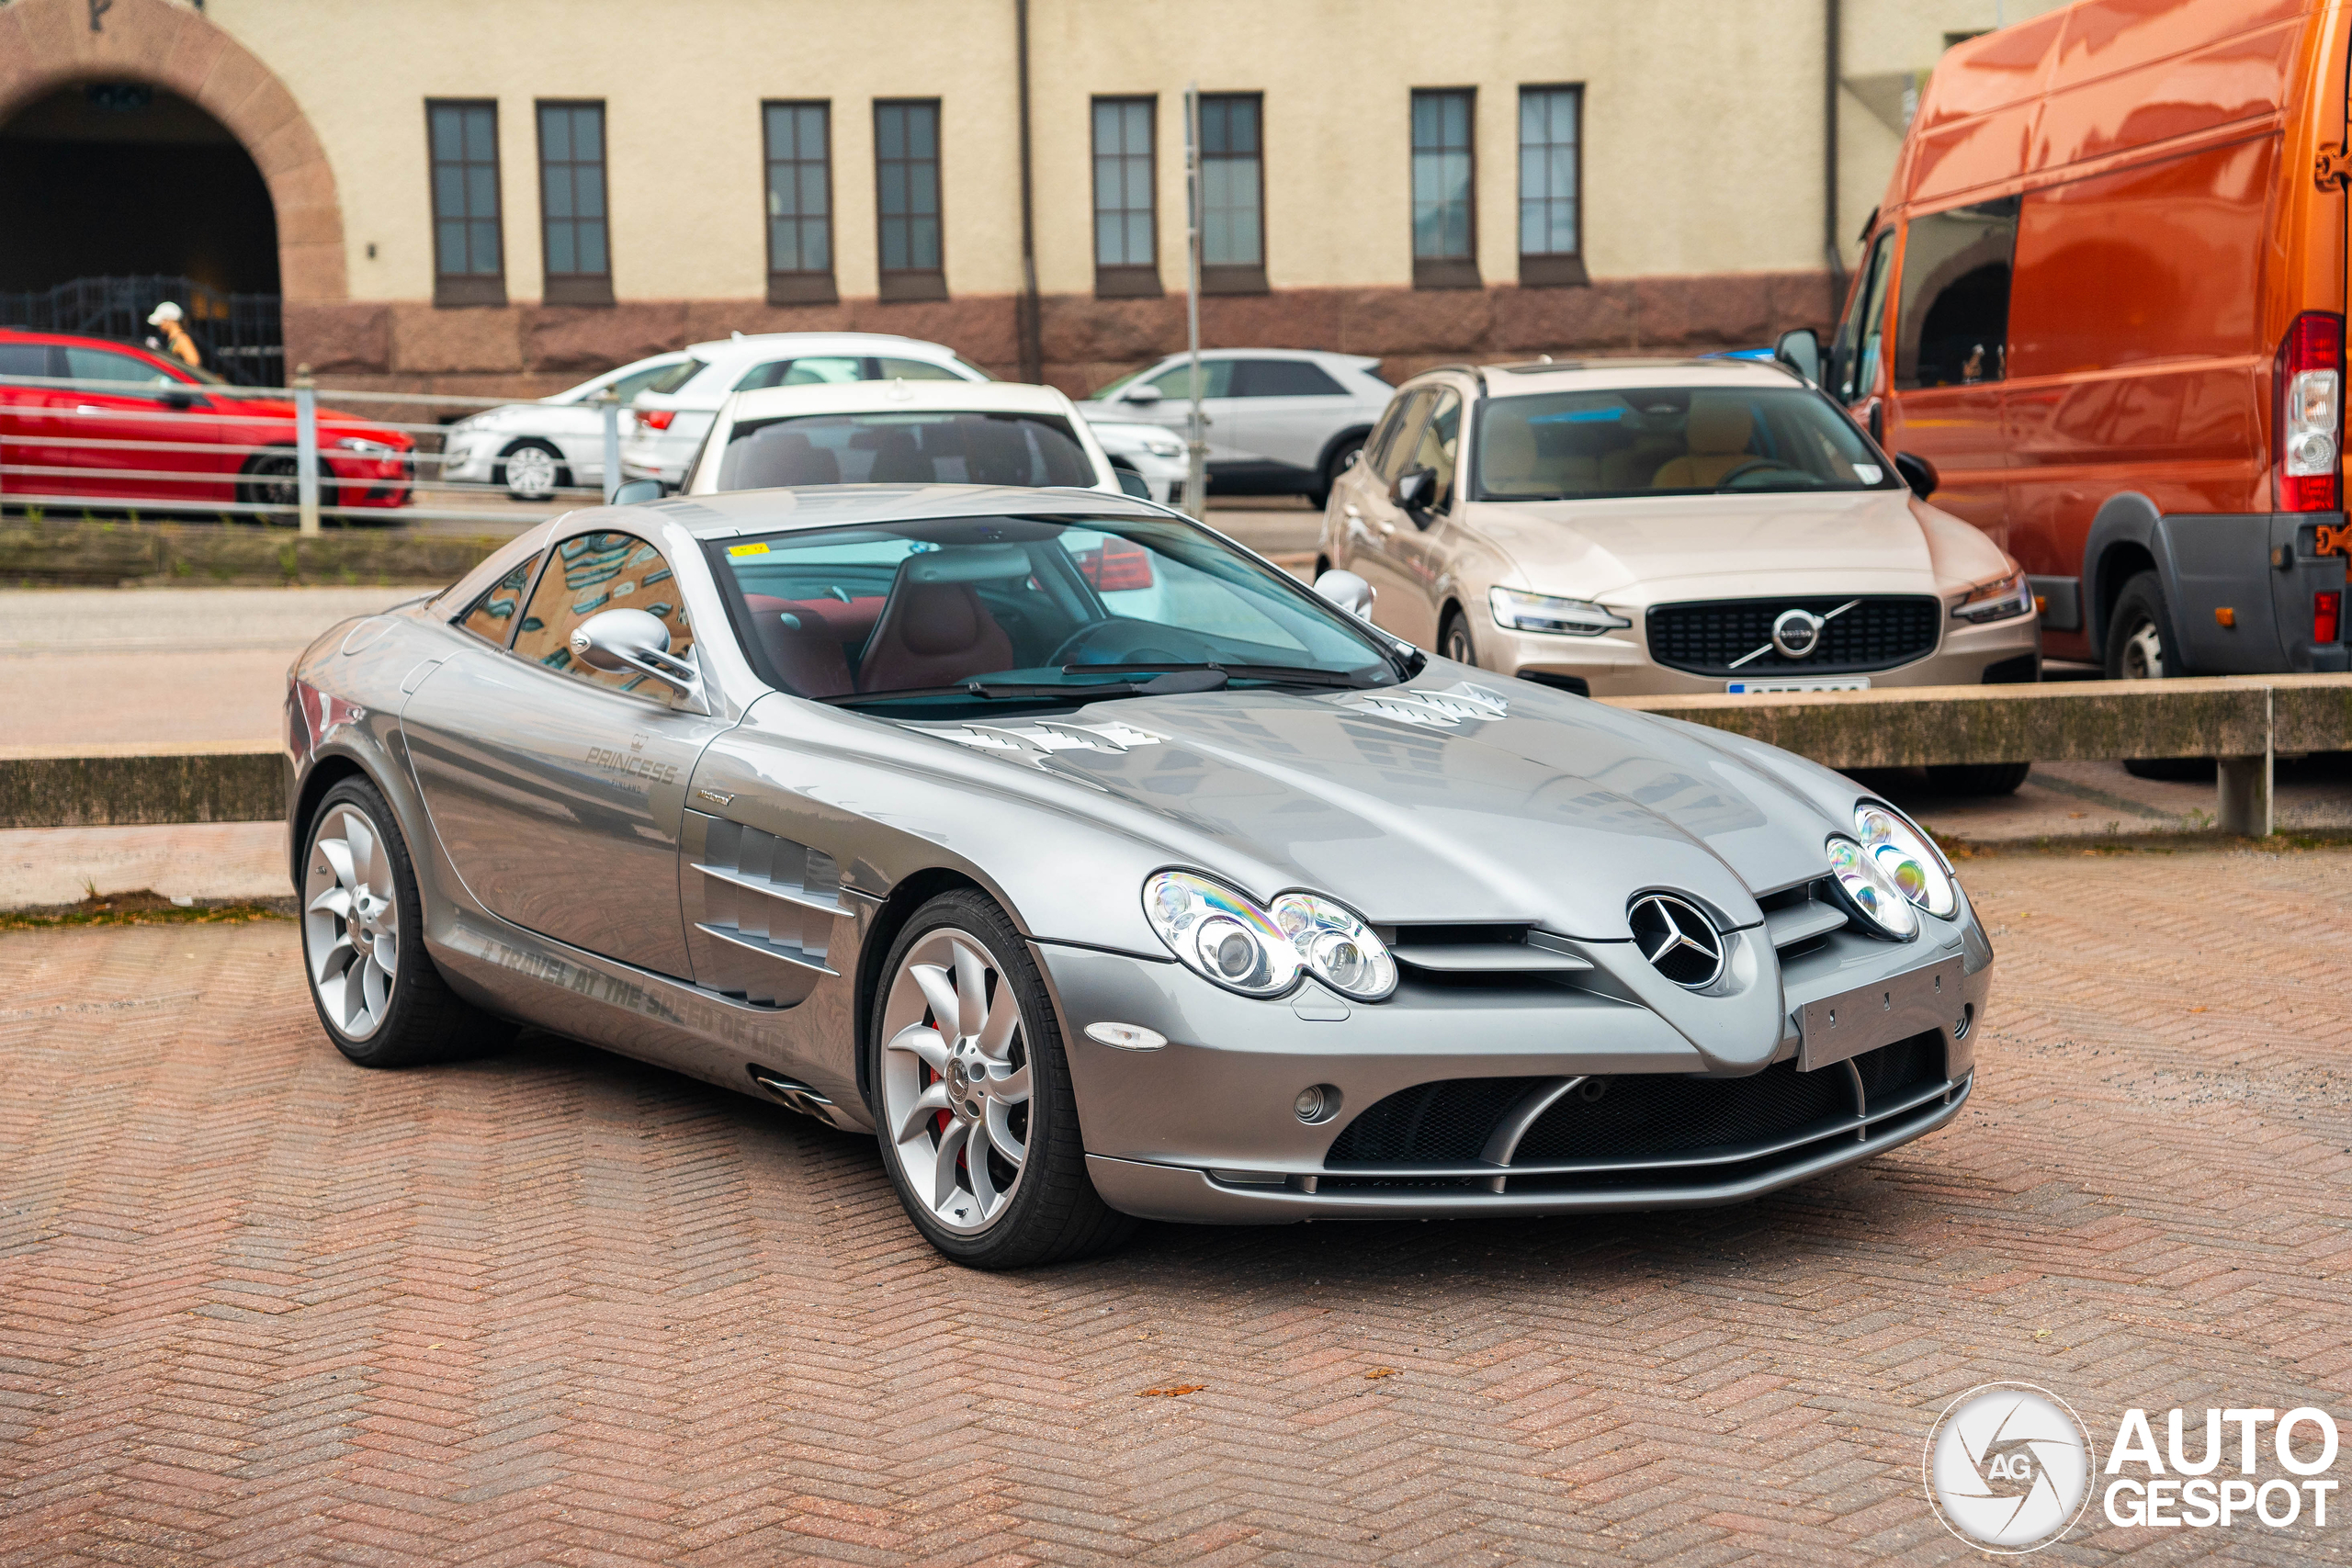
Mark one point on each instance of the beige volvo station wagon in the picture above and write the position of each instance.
(1625, 528)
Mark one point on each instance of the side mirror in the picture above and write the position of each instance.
(180, 401)
(1348, 590)
(1414, 488)
(1146, 393)
(637, 492)
(614, 640)
(1800, 350)
(1917, 472)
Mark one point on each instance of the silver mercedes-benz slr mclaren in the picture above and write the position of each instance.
(1102, 869)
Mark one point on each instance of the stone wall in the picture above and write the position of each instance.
(534, 349)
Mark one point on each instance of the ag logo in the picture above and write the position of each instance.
(2008, 1467)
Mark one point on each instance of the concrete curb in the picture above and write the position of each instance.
(208, 555)
(100, 786)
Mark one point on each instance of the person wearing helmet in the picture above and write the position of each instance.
(167, 320)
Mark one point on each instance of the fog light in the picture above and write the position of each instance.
(1317, 1102)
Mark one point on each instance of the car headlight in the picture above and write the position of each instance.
(2004, 599)
(1868, 892)
(371, 448)
(1163, 446)
(1542, 613)
(1907, 858)
(1340, 949)
(1226, 937)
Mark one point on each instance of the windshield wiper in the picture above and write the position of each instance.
(1289, 674)
(1008, 691)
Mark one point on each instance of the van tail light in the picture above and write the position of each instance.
(2328, 613)
(2307, 428)
(656, 419)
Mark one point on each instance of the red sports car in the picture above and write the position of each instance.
(161, 430)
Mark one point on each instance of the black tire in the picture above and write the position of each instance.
(2141, 646)
(562, 475)
(1454, 639)
(1979, 778)
(1053, 1214)
(272, 478)
(422, 1020)
(1333, 466)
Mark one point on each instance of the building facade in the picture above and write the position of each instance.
(507, 194)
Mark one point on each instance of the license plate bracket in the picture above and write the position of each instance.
(1836, 1029)
(1765, 684)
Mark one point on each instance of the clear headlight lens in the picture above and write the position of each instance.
(1908, 858)
(2004, 599)
(1340, 949)
(1219, 934)
(1163, 446)
(1869, 892)
(1522, 612)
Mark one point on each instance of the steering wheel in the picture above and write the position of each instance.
(1114, 642)
(1764, 465)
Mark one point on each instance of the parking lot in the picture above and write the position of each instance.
(553, 1306)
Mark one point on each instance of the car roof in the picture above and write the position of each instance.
(1524, 378)
(730, 512)
(816, 342)
(1319, 356)
(882, 397)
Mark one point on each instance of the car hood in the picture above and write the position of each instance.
(1458, 797)
(1593, 549)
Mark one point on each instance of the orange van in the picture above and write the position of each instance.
(2104, 297)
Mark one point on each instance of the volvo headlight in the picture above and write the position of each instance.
(1908, 858)
(1868, 892)
(2003, 599)
(1226, 937)
(1522, 612)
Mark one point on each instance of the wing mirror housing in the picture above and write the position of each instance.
(613, 640)
(637, 492)
(1145, 394)
(1917, 472)
(1413, 488)
(1348, 590)
(1800, 350)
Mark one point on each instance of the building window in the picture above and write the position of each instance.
(1551, 180)
(1233, 195)
(468, 261)
(1445, 237)
(906, 180)
(578, 257)
(1126, 240)
(801, 203)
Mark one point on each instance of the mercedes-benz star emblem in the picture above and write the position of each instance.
(1796, 633)
(1681, 943)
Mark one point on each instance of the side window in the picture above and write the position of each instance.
(1954, 324)
(810, 370)
(916, 371)
(1856, 352)
(493, 615)
(1176, 381)
(1393, 442)
(103, 365)
(602, 572)
(24, 359)
(1436, 446)
(1282, 378)
(637, 382)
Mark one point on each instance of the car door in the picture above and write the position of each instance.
(1285, 413)
(1172, 380)
(1370, 518)
(23, 412)
(558, 791)
(140, 435)
(1419, 548)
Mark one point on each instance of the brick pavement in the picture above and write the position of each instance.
(258, 1306)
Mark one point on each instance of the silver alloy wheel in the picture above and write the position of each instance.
(2144, 653)
(351, 920)
(530, 473)
(955, 1079)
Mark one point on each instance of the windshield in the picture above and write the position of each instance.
(920, 619)
(934, 446)
(1669, 441)
(675, 376)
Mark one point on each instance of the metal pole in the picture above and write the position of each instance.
(1196, 475)
(1031, 311)
(612, 412)
(306, 447)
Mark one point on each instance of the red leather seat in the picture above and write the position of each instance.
(932, 633)
(803, 651)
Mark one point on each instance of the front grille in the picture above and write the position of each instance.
(1636, 1116)
(1878, 633)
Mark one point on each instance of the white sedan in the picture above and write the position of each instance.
(535, 449)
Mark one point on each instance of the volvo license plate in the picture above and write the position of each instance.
(1835, 1028)
(1800, 683)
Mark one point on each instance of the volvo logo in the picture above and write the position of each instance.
(1796, 633)
(1681, 943)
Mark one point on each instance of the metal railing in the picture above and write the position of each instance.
(186, 450)
(242, 336)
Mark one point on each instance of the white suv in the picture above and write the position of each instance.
(673, 413)
(1281, 421)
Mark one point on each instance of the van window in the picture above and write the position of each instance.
(1955, 326)
(1854, 355)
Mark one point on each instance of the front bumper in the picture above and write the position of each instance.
(1204, 1128)
(1619, 664)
